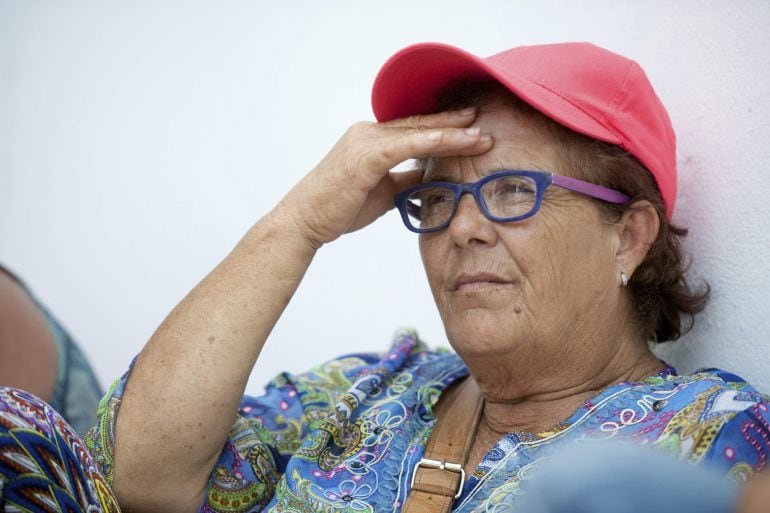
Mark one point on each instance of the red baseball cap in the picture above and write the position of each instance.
(586, 88)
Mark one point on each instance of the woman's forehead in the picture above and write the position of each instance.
(468, 170)
(518, 144)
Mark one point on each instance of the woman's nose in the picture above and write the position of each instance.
(470, 226)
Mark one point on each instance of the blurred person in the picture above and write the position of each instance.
(39, 356)
(625, 478)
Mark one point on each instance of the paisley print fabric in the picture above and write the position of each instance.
(44, 465)
(346, 435)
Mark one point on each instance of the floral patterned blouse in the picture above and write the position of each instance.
(346, 435)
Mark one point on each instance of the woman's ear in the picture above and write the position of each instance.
(638, 229)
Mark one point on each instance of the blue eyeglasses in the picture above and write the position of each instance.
(504, 196)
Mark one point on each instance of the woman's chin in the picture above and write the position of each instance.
(481, 333)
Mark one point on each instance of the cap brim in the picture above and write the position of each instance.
(411, 81)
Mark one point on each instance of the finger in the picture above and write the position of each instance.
(378, 201)
(446, 119)
(381, 196)
(484, 146)
(399, 146)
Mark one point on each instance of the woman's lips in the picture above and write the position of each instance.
(481, 281)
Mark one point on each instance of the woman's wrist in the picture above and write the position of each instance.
(287, 224)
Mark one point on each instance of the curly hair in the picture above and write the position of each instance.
(664, 302)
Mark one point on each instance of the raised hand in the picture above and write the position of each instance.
(353, 185)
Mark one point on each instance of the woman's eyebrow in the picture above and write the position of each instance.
(436, 176)
(442, 176)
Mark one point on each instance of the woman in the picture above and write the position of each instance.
(541, 311)
(549, 287)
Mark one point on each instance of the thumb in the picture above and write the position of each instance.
(380, 199)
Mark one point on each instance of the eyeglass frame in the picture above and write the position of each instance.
(542, 179)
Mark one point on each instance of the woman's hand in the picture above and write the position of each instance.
(186, 386)
(352, 186)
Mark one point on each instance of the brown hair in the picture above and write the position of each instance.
(664, 303)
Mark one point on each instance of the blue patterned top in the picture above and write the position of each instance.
(346, 435)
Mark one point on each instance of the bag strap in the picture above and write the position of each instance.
(439, 477)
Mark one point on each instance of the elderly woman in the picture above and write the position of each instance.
(543, 204)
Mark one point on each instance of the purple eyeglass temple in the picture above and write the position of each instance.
(589, 189)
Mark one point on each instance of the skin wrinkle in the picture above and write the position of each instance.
(561, 329)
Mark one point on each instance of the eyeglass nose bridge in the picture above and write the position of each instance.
(474, 189)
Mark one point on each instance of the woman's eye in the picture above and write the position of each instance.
(514, 188)
(436, 199)
(433, 198)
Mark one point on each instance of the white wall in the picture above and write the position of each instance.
(139, 140)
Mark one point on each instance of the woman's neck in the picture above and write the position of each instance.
(534, 396)
(546, 405)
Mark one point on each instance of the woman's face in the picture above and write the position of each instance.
(537, 287)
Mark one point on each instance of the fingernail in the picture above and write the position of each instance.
(434, 136)
(473, 131)
(468, 111)
(485, 137)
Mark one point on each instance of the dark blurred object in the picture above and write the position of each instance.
(622, 478)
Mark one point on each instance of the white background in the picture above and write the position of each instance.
(139, 140)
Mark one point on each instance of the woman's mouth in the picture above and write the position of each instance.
(478, 282)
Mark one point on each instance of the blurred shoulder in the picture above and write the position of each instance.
(717, 416)
(707, 396)
(707, 382)
(28, 356)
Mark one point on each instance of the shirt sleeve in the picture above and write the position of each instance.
(267, 431)
(742, 445)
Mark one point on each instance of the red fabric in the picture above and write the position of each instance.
(584, 87)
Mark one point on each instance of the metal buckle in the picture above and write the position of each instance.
(441, 465)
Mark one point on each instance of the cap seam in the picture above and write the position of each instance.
(615, 98)
(578, 107)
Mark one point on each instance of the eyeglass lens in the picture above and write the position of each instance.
(505, 197)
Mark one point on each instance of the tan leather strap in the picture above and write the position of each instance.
(439, 477)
